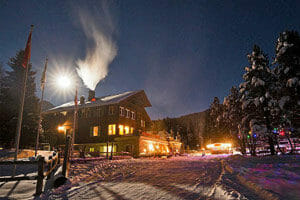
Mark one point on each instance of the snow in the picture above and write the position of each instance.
(286, 70)
(283, 100)
(279, 175)
(185, 177)
(100, 101)
(292, 81)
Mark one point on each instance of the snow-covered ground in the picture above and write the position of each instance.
(173, 178)
(279, 175)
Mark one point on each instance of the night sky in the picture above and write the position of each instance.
(182, 53)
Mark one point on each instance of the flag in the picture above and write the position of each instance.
(43, 79)
(27, 53)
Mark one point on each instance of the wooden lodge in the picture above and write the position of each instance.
(116, 123)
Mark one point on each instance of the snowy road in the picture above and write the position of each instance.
(174, 178)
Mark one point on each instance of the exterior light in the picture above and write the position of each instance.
(60, 128)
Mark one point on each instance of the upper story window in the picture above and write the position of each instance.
(112, 129)
(95, 131)
(111, 110)
(132, 115)
(122, 111)
(121, 130)
(143, 123)
(127, 113)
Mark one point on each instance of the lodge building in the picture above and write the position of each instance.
(115, 123)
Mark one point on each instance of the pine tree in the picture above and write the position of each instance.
(13, 81)
(255, 99)
(232, 116)
(287, 71)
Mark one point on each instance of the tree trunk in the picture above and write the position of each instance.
(271, 143)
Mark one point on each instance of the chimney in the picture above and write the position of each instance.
(91, 95)
(82, 99)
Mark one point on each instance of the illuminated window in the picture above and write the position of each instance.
(92, 149)
(132, 115)
(131, 130)
(126, 129)
(96, 131)
(122, 111)
(111, 110)
(112, 129)
(121, 130)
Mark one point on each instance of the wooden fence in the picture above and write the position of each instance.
(50, 165)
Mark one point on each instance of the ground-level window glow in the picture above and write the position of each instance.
(126, 129)
(112, 129)
(150, 146)
(121, 130)
(131, 130)
(61, 128)
(92, 149)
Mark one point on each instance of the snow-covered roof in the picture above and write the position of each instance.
(101, 101)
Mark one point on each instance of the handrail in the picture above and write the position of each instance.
(51, 165)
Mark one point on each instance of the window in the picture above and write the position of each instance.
(92, 149)
(96, 131)
(122, 113)
(126, 129)
(143, 123)
(132, 115)
(127, 113)
(131, 130)
(111, 110)
(112, 129)
(121, 130)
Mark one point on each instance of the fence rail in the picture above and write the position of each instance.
(41, 173)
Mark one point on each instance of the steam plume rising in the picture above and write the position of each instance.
(94, 67)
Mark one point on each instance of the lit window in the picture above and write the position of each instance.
(111, 110)
(126, 129)
(122, 113)
(132, 115)
(112, 129)
(109, 148)
(127, 113)
(131, 130)
(92, 149)
(96, 131)
(121, 130)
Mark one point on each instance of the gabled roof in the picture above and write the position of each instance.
(105, 100)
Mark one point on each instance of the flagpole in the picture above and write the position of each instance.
(20, 117)
(75, 119)
(43, 81)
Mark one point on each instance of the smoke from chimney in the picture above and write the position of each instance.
(98, 29)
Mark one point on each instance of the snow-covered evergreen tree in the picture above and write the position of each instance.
(232, 113)
(255, 97)
(287, 70)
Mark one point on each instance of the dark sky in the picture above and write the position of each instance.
(182, 53)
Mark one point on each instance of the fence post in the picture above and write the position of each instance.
(65, 169)
(40, 177)
(50, 165)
